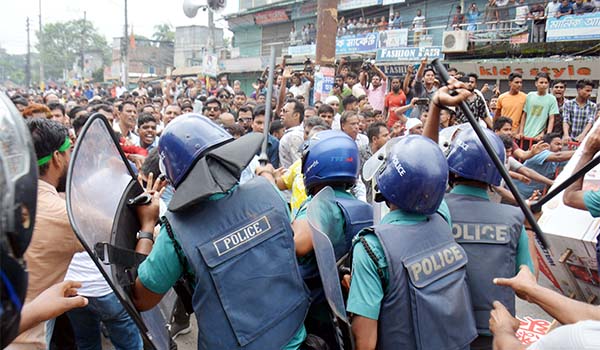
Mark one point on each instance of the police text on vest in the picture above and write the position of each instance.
(440, 260)
(247, 233)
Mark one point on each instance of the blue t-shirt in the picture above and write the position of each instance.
(539, 164)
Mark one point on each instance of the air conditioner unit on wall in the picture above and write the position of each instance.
(455, 41)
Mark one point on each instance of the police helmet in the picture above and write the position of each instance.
(18, 196)
(329, 156)
(468, 158)
(414, 175)
(185, 140)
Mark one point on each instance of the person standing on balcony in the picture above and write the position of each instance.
(459, 19)
(491, 15)
(293, 36)
(551, 8)
(565, 8)
(312, 33)
(539, 22)
(304, 34)
(521, 14)
(418, 26)
(503, 21)
(397, 21)
(472, 17)
(382, 25)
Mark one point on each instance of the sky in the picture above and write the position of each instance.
(107, 16)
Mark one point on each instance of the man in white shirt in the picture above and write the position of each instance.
(292, 115)
(418, 25)
(299, 87)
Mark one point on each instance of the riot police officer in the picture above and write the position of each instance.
(330, 158)
(492, 234)
(234, 241)
(408, 288)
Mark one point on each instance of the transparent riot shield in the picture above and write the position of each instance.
(373, 166)
(99, 182)
(319, 218)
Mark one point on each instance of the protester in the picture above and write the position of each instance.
(47, 263)
(510, 104)
(289, 146)
(545, 163)
(539, 111)
(579, 113)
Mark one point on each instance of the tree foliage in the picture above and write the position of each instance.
(61, 44)
(163, 32)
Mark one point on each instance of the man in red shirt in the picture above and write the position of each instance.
(394, 99)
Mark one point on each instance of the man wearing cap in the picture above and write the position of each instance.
(414, 127)
(232, 241)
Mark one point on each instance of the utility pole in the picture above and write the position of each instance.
(326, 32)
(82, 47)
(124, 53)
(42, 84)
(211, 31)
(28, 62)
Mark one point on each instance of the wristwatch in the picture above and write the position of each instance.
(147, 235)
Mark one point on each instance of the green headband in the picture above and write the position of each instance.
(65, 146)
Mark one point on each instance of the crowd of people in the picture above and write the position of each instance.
(495, 18)
(313, 144)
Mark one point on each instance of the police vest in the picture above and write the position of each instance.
(489, 233)
(426, 304)
(248, 293)
(357, 215)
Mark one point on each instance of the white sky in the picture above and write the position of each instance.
(106, 15)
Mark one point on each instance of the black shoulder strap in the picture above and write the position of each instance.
(373, 257)
(370, 253)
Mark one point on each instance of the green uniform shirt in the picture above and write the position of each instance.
(366, 290)
(162, 268)
(591, 199)
(335, 216)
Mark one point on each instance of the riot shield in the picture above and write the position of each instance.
(99, 182)
(319, 218)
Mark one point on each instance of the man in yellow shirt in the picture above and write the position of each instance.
(510, 104)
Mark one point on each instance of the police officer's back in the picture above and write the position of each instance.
(330, 158)
(408, 288)
(235, 241)
(492, 234)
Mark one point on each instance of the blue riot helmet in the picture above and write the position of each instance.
(414, 175)
(468, 159)
(185, 140)
(330, 156)
(18, 196)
